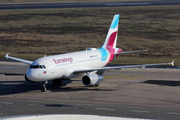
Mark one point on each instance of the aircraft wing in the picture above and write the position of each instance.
(132, 51)
(120, 67)
(19, 60)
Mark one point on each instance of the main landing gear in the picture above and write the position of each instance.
(44, 88)
(96, 85)
(57, 82)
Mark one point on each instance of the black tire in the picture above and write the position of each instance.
(43, 89)
(54, 82)
(59, 82)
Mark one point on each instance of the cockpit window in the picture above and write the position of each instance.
(40, 66)
(43, 66)
(37, 66)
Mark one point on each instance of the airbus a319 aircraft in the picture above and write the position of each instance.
(90, 64)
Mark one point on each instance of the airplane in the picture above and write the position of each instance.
(90, 63)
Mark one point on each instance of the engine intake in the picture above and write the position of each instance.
(92, 79)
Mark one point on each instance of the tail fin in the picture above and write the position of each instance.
(111, 38)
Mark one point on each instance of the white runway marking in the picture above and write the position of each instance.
(136, 107)
(139, 111)
(86, 104)
(128, 4)
(103, 109)
(35, 101)
(6, 103)
(69, 107)
(37, 104)
(173, 113)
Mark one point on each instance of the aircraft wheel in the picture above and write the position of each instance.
(57, 81)
(96, 85)
(54, 82)
(43, 89)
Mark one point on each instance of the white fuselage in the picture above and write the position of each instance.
(63, 65)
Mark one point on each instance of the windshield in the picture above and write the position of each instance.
(37, 66)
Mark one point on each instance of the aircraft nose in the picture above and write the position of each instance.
(27, 79)
(33, 75)
(29, 76)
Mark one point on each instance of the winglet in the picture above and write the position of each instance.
(172, 63)
(7, 55)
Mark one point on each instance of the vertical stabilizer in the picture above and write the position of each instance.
(111, 38)
(107, 51)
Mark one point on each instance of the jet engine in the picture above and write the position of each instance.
(92, 79)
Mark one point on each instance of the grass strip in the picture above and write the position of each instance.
(30, 34)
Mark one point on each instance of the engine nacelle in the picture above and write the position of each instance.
(92, 79)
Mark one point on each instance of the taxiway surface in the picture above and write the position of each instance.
(138, 93)
(89, 4)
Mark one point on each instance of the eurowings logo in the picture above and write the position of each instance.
(103, 53)
(63, 60)
(44, 72)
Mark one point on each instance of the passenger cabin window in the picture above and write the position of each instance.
(37, 67)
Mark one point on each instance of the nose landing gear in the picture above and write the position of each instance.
(44, 88)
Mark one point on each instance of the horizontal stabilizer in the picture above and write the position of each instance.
(132, 51)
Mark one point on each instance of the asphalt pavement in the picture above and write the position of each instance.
(89, 4)
(132, 93)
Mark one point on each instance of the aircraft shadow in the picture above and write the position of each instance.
(12, 73)
(59, 105)
(19, 86)
(15, 87)
(75, 89)
(163, 82)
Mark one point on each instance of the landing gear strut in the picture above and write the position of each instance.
(44, 89)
